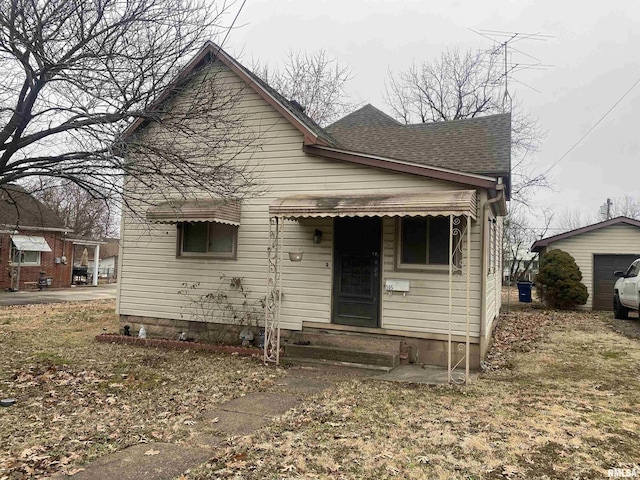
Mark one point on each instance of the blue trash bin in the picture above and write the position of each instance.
(524, 291)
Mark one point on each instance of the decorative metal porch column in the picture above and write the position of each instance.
(273, 300)
(457, 234)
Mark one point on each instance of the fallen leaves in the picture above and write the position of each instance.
(152, 452)
(79, 399)
(544, 408)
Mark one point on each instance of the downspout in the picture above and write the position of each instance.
(483, 276)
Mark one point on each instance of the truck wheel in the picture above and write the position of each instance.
(619, 311)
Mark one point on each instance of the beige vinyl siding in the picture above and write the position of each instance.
(494, 276)
(151, 275)
(425, 308)
(615, 239)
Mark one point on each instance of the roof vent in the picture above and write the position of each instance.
(297, 106)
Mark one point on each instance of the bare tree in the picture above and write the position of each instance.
(570, 219)
(519, 235)
(314, 80)
(458, 86)
(76, 73)
(85, 215)
(626, 206)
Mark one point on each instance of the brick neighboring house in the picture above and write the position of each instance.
(34, 230)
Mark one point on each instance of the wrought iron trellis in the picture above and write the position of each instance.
(459, 264)
(273, 301)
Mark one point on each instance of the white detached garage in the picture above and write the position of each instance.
(599, 250)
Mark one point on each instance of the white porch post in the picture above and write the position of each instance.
(450, 297)
(273, 301)
(458, 234)
(468, 228)
(96, 264)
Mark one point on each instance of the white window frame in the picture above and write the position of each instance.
(14, 253)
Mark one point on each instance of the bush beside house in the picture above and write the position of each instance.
(559, 281)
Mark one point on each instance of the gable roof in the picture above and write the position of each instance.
(366, 116)
(19, 209)
(313, 133)
(544, 242)
(479, 145)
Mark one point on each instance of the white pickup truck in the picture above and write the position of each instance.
(626, 292)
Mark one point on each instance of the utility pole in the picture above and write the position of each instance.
(605, 209)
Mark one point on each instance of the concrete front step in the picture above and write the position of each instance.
(317, 361)
(348, 340)
(342, 355)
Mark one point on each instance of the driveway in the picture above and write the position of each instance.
(77, 294)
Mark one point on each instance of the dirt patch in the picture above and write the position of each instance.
(629, 328)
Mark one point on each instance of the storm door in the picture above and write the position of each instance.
(356, 271)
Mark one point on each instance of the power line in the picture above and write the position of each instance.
(231, 26)
(593, 127)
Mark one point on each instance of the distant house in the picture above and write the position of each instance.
(108, 257)
(32, 240)
(381, 235)
(599, 250)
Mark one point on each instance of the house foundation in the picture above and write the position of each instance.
(323, 343)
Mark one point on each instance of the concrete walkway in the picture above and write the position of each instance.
(77, 294)
(236, 418)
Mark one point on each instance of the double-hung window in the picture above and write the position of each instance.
(424, 243)
(211, 239)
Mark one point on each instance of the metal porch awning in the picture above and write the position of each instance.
(28, 243)
(456, 202)
(206, 210)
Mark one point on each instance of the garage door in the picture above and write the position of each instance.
(603, 279)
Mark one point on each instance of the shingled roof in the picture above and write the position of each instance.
(479, 145)
(366, 116)
(20, 209)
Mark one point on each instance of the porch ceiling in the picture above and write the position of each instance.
(456, 202)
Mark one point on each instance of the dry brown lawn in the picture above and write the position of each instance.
(559, 400)
(79, 399)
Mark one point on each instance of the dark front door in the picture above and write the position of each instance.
(356, 271)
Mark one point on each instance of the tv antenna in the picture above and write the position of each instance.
(503, 45)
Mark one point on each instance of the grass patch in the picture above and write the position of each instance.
(78, 399)
(559, 401)
(49, 358)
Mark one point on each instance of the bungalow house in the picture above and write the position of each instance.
(32, 240)
(599, 250)
(370, 237)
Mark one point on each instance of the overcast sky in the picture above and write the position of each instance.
(594, 56)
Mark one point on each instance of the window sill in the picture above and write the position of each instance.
(205, 256)
(424, 268)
